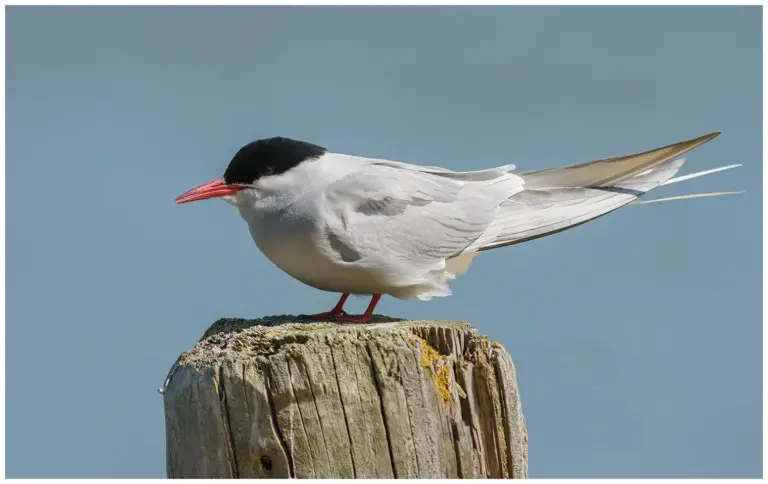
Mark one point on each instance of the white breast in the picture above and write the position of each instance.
(295, 227)
(306, 256)
(286, 221)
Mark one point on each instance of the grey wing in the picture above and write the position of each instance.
(561, 198)
(537, 212)
(419, 217)
(610, 171)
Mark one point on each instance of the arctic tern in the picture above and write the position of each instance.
(355, 225)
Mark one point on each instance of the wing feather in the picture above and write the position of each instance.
(537, 212)
(609, 172)
(415, 215)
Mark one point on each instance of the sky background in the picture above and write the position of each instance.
(637, 337)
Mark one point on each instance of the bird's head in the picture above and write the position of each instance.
(253, 163)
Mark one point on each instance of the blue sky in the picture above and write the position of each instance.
(637, 337)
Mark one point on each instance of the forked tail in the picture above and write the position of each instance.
(561, 198)
(691, 195)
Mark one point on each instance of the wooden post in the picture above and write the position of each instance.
(280, 397)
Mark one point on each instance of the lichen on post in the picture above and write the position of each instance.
(280, 397)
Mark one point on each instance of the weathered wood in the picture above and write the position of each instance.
(279, 397)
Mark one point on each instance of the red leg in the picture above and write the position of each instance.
(337, 310)
(365, 318)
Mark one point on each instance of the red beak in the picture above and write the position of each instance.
(216, 188)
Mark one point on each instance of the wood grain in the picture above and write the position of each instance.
(279, 397)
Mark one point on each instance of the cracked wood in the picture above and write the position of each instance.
(278, 397)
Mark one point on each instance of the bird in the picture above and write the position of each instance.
(366, 226)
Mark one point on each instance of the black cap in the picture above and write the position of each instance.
(271, 156)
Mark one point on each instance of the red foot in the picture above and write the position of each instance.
(337, 311)
(363, 318)
(337, 314)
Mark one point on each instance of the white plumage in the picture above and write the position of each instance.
(357, 225)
